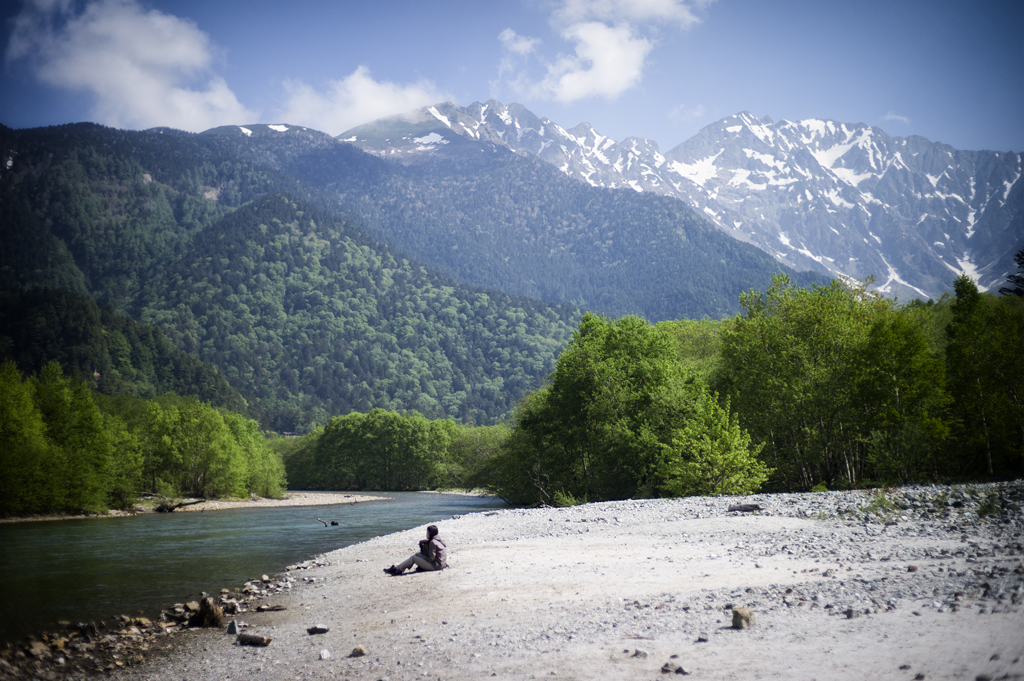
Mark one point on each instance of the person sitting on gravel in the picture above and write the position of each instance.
(431, 556)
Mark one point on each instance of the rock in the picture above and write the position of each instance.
(358, 651)
(639, 653)
(702, 637)
(233, 628)
(742, 618)
(325, 654)
(209, 615)
(318, 629)
(253, 640)
(745, 508)
(191, 606)
(672, 668)
(38, 649)
(271, 608)
(911, 568)
(851, 613)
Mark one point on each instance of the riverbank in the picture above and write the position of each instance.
(289, 499)
(923, 582)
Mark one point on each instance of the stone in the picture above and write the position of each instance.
(639, 653)
(358, 651)
(233, 628)
(672, 668)
(38, 649)
(702, 637)
(742, 618)
(911, 568)
(852, 613)
(318, 629)
(192, 606)
(325, 654)
(210, 615)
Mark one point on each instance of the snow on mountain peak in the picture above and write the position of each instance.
(846, 198)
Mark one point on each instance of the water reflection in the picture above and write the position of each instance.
(87, 570)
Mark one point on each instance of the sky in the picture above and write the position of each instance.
(951, 71)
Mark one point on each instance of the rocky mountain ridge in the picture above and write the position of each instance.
(845, 200)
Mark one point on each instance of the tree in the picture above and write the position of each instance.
(25, 454)
(790, 366)
(903, 394)
(620, 418)
(985, 365)
(711, 454)
(1016, 280)
(78, 439)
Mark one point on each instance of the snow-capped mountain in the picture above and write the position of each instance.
(847, 200)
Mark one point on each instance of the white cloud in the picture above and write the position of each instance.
(608, 61)
(143, 67)
(679, 12)
(516, 43)
(611, 42)
(891, 116)
(354, 100)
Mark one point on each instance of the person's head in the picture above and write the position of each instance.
(431, 531)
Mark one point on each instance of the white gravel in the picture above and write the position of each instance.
(844, 585)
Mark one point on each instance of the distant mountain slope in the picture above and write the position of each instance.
(303, 313)
(846, 200)
(510, 222)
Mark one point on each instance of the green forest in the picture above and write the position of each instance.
(180, 315)
(67, 449)
(302, 313)
(828, 387)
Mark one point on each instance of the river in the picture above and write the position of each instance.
(92, 569)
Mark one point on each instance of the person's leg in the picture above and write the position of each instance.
(417, 559)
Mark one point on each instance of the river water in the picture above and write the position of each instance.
(91, 570)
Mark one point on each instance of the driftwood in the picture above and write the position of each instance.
(745, 508)
(253, 640)
(168, 505)
(271, 608)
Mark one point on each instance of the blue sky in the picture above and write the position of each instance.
(951, 71)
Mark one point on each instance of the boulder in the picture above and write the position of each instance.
(209, 615)
(742, 618)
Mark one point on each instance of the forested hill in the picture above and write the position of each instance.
(303, 313)
(507, 221)
(108, 351)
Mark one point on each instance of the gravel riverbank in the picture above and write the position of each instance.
(289, 499)
(913, 583)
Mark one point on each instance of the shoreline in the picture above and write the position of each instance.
(299, 498)
(844, 585)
